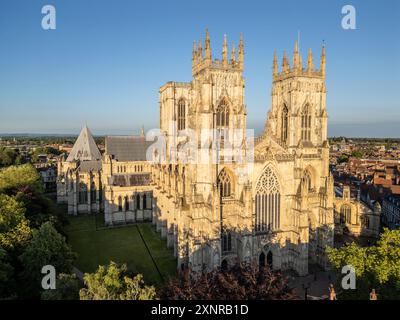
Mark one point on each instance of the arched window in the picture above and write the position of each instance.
(222, 115)
(83, 196)
(267, 202)
(100, 193)
(144, 201)
(345, 214)
(366, 222)
(224, 184)
(119, 203)
(261, 260)
(137, 201)
(181, 114)
(306, 124)
(226, 241)
(126, 203)
(93, 193)
(284, 132)
(306, 181)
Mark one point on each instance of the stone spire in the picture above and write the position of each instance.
(300, 63)
(207, 48)
(233, 55)
(296, 56)
(225, 52)
(199, 53)
(323, 61)
(285, 64)
(194, 54)
(275, 65)
(241, 52)
(85, 148)
(310, 63)
(142, 131)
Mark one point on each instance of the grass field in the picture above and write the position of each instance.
(122, 245)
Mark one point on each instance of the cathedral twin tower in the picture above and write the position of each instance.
(281, 211)
(274, 207)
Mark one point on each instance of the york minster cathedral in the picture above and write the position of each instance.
(273, 204)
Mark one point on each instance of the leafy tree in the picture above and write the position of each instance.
(113, 283)
(343, 158)
(7, 156)
(357, 154)
(67, 288)
(43, 150)
(377, 267)
(243, 281)
(47, 247)
(14, 227)
(18, 178)
(6, 274)
(25, 183)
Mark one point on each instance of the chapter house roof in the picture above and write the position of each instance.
(85, 148)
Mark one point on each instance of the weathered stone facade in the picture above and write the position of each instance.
(274, 205)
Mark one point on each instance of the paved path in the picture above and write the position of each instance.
(79, 273)
(317, 284)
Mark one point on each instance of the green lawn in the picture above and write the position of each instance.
(122, 245)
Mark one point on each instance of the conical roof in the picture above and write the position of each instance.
(85, 147)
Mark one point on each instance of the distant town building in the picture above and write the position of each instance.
(391, 211)
(355, 218)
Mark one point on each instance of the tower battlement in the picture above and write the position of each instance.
(202, 58)
(297, 70)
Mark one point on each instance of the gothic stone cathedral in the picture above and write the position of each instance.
(276, 210)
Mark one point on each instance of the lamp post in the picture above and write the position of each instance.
(306, 286)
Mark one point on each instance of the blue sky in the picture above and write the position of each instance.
(106, 60)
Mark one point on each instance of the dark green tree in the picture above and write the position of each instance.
(67, 288)
(6, 276)
(47, 247)
(243, 281)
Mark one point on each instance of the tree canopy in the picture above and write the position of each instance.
(14, 227)
(47, 247)
(6, 271)
(16, 178)
(113, 283)
(67, 288)
(241, 282)
(376, 267)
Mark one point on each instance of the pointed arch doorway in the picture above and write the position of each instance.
(261, 260)
(270, 259)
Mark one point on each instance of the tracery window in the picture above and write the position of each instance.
(226, 241)
(306, 181)
(306, 124)
(82, 195)
(267, 202)
(222, 122)
(345, 214)
(119, 203)
(284, 126)
(126, 203)
(224, 184)
(137, 201)
(222, 115)
(181, 114)
(93, 193)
